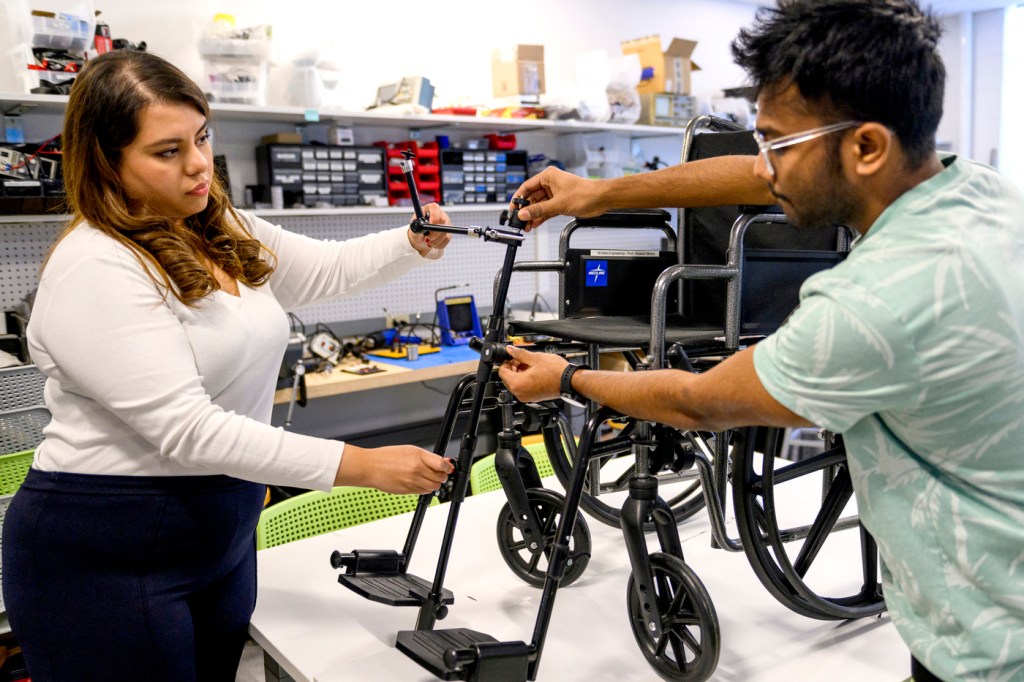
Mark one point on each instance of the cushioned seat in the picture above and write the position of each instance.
(633, 331)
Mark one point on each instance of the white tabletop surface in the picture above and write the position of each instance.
(320, 631)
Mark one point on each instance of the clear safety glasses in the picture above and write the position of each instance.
(765, 146)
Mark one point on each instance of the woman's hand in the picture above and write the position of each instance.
(431, 245)
(394, 469)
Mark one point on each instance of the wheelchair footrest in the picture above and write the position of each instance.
(399, 589)
(464, 654)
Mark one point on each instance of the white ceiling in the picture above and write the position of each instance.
(961, 6)
(940, 6)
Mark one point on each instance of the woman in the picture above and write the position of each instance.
(160, 324)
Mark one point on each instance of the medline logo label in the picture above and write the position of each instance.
(597, 273)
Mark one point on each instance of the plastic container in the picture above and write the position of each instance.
(62, 32)
(70, 26)
(236, 81)
(235, 61)
(503, 142)
(232, 48)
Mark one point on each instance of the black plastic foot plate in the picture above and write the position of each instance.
(394, 590)
(464, 654)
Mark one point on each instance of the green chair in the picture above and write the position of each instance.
(316, 512)
(483, 477)
(13, 469)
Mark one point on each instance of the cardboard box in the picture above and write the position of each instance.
(670, 70)
(282, 138)
(519, 72)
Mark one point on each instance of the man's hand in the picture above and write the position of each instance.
(532, 376)
(555, 192)
(431, 245)
(393, 469)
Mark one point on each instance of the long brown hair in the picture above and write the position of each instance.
(102, 119)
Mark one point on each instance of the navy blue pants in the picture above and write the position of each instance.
(131, 578)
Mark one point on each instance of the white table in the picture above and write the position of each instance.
(319, 631)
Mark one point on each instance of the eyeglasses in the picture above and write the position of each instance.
(764, 146)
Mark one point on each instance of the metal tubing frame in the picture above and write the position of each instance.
(560, 549)
(432, 607)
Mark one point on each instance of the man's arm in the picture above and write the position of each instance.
(728, 395)
(720, 181)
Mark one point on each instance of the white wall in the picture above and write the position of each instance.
(972, 49)
(988, 83)
(1011, 145)
(449, 41)
(956, 49)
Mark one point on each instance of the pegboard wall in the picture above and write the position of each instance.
(467, 261)
(22, 249)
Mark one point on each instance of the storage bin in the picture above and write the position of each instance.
(255, 49)
(236, 82)
(62, 32)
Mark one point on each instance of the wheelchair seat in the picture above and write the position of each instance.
(631, 331)
(738, 284)
(604, 294)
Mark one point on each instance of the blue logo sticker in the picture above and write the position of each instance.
(597, 273)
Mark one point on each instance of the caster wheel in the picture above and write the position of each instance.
(515, 548)
(690, 643)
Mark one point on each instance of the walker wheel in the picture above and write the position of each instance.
(532, 566)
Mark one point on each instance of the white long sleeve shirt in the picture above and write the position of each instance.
(140, 384)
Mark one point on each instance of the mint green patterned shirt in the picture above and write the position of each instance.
(913, 349)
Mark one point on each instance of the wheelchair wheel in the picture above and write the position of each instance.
(515, 550)
(795, 547)
(690, 643)
(607, 484)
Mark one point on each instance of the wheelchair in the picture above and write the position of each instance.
(544, 535)
(757, 286)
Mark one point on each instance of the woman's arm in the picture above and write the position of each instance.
(103, 330)
(311, 270)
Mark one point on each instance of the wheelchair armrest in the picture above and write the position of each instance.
(626, 218)
(691, 271)
(529, 266)
(758, 209)
(539, 265)
(633, 219)
(659, 296)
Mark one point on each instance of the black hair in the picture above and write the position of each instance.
(862, 60)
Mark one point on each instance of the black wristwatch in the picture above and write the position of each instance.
(565, 386)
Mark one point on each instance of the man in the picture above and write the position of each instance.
(913, 347)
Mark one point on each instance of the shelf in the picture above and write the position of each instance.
(294, 212)
(32, 104)
(55, 104)
(33, 218)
